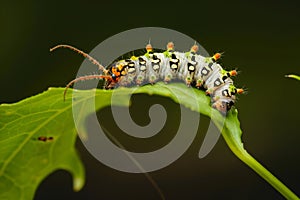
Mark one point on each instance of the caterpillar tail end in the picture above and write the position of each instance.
(222, 106)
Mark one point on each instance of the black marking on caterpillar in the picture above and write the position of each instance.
(189, 67)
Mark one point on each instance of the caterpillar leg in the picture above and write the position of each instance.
(90, 58)
(84, 78)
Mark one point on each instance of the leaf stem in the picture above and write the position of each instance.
(238, 149)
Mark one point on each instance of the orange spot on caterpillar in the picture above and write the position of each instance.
(194, 48)
(149, 47)
(217, 56)
(233, 73)
(240, 91)
(170, 46)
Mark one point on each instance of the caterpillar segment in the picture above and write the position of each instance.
(191, 68)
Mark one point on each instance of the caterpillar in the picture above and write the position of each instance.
(189, 67)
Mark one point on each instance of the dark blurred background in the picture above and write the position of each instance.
(261, 39)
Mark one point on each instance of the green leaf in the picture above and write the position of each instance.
(200, 102)
(24, 161)
(293, 76)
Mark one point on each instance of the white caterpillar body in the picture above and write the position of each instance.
(191, 68)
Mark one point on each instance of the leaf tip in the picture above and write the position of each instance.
(78, 184)
(293, 76)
